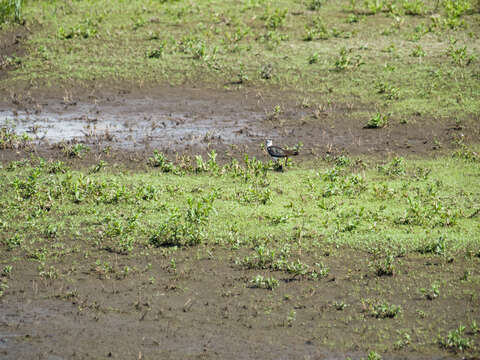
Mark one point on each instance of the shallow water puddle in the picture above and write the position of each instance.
(135, 124)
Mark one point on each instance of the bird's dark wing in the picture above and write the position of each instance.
(276, 151)
(290, 152)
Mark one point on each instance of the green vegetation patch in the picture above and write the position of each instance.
(407, 58)
(425, 207)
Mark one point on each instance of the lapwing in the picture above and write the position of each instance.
(277, 152)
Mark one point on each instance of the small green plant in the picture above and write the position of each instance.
(454, 10)
(159, 160)
(75, 151)
(432, 293)
(352, 19)
(474, 327)
(339, 305)
(314, 5)
(385, 310)
(413, 7)
(465, 153)
(212, 164)
(313, 59)
(435, 247)
(266, 71)
(156, 53)
(459, 55)
(263, 258)
(389, 92)
(51, 231)
(274, 19)
(291, 317)
(12, 242)
(372, 355)
(385, 266)
(455, 340)
(280, 219)
(10, 140)
(173, 264)
(138, 22)
(85, 29)
(343, 160)
(50, 273)
(382, 310)
(3, 287)
(316, 30)
(256, 194)
(374, 6)
(200, 51)
(7, 270)
(391, 49)
(275, 114)
(377, 121)
(421, 313)
(98, 167)
(404, 339)
(202, 165)
(196, 47)
(269, 283)
(26, 188)
(242, 75)
(272, 39)
(466, 275)
(418, 52)
(57, 167)
(347, 61)
(185, 229)
(396, 167)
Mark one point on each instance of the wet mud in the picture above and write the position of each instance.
(198, 120)
(137, 124)
(206, 310)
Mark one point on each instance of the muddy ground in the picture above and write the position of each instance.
(205, 309)
(11, 46)
(134, 122)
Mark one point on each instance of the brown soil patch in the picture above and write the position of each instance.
(11, 45)
(207, 309)
(196, 121)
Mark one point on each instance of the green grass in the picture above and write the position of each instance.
(416, 206)
(10, 11)
(400, 57)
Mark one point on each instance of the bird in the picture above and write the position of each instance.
(277, 152)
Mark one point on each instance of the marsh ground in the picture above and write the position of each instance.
(118, 241)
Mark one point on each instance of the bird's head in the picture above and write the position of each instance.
(268, 142)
